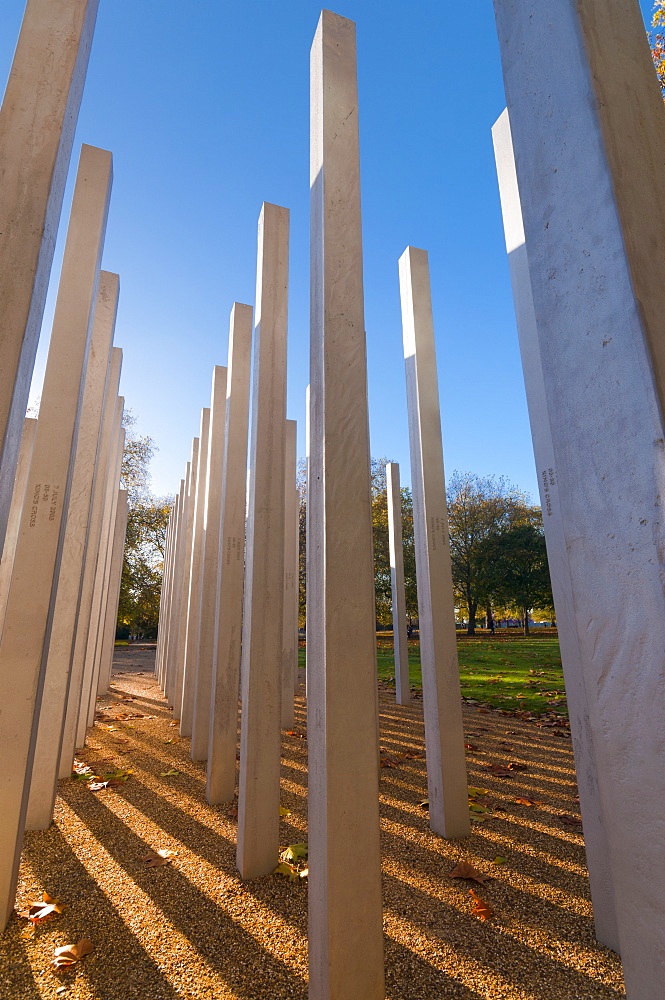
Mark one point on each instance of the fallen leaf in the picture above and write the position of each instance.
(233, 813)
(499, 770)
(424, 805)
(528, 802)
(155, 859)
(466, 870)
(414, 755)
(97, 786)
(304, 873)
(499, 860)
(570, 820)
(389, 762)
(470, 746)
(169, 741)
(475, 818)
(294, 852)
(70, 954)
(476, 791)
(474, 807)
(166, 774)
(514, 766)
(285, 869)
(481, 908)
(284, 812)
(174, 722)
(43, 908)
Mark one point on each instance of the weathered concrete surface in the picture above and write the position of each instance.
(589, 135)
(595, 836)
(221, 780)
(32, 594)
(63, 629)
(442, 702)
(396, 546)
(258, 798)
(113, 597)
(37, 123)
(185, 571)
(345, 914)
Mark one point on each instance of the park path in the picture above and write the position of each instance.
(192, 929)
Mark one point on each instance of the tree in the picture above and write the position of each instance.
(518, 574)
(479, 509)
(140, 588)
(656, 36)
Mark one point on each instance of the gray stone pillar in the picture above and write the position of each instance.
(32, 594)
(258, 800)
(595, 836)
(221, 779)
(185, 574)
(290, 619)
(168, 672)
(442, 703)
(396, 545)
(109, 431)
(15, 511)
(193, 621)
(212, 517)
(588, 130)
(115, 579)
(63, 628)
(37, 123)
(345, 914)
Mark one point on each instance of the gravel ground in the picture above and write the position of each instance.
(193, 929)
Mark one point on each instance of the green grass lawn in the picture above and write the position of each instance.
(507, 671)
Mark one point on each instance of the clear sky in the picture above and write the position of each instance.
(205, 106)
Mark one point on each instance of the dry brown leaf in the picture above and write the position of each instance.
(499, 770)
(481, 908)
(389, 762)
(41, 909)
(528, 802)
(155, 859)
(233, 813)
(466, 870)
(70, 954)
(570, 820)
(470, 746)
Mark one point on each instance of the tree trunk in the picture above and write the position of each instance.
(490, 618)
(472, 605)
(526, 621)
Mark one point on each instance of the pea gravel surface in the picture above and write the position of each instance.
(192, 929)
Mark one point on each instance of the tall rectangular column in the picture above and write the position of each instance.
(595, 835)
(396, 546)
(290, 620)
(221, 780)
(193, 620)
(345, 914)
(588, 130)
(258, 799)
(15, 511)
(211, 555)
(109, 430)
(168, 683)
(32, 594)
(59, 661)
(185, 574)
(442, 701)
(115, 578)
(37, 123)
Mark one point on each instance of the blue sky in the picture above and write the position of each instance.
(205, 106)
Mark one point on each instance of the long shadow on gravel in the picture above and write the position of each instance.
(210, 929)
(91, 914)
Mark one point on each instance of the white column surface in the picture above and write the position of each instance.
(115, 579)
(588, 131)
(15, 511)
(308, 542)
(111, 505)
(290, 620)
(110, 493)
(221, 779)
(195, 579)
(595, 837)
(109, 431)
(186, 569)
(37, 123)
(172, 666)
(258, 798)
(345, 914)
(167, 591)
(442, 702)
(32, 594)
(396, 546)
(211, 554)
(168, 680)
(59, 661)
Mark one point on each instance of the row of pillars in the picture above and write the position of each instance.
(229, 609)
